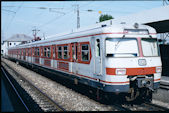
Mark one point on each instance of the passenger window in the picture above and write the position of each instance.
(45, 55)
(37, 51)
(29, 53)
(97, 47)
(73, 52)
(65, 52)
(53, 51)
(60, 52)
(85, 52)
(48, 52)
(24, 52)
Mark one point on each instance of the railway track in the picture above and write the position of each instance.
(15, 90)
(144, 107)
(44, 101)
(121, 107)
(155, 107)
(118, 107)
(137, 106)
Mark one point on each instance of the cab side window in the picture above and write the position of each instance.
(97, 47)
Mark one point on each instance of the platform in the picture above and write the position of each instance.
(165, 79)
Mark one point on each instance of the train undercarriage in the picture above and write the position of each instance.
(141, 88)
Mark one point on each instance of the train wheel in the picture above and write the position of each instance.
(149, 99)
(146, 95)
(98, 94)
(134, 93)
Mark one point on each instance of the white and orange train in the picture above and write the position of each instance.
(114, 58)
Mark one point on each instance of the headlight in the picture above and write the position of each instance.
(120, 71)
(158, 69)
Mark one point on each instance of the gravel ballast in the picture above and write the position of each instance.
(67, 98)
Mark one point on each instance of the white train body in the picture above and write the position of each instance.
(107, 57)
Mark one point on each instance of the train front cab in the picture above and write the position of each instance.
(132, 65)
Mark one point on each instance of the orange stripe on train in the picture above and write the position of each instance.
(133, 71)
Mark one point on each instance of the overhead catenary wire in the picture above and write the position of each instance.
(50, 8)
(7, 18)
(14, 15)
(47, 23)
(8, 11)
(37, 7)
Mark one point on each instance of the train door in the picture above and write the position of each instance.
(54, 55)
(24, 54)
(74, 51)
(20, 53)
(97, 55)
(31, 54)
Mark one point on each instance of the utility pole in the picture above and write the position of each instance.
(78, 17)
(35, 31)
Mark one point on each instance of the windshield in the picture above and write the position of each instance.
(121, 47)
(149, 47)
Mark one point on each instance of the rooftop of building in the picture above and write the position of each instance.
(19, 38)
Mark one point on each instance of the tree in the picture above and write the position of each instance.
(105, 17)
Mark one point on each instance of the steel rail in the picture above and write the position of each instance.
(159, 108)
(49, 98)
(20, 98)
(121, 108)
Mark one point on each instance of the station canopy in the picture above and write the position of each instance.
(157, 18)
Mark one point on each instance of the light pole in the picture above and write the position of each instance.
(78, 16)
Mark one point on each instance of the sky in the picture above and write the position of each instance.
(52, 17)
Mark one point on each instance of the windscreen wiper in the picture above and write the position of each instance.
(119, 42)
